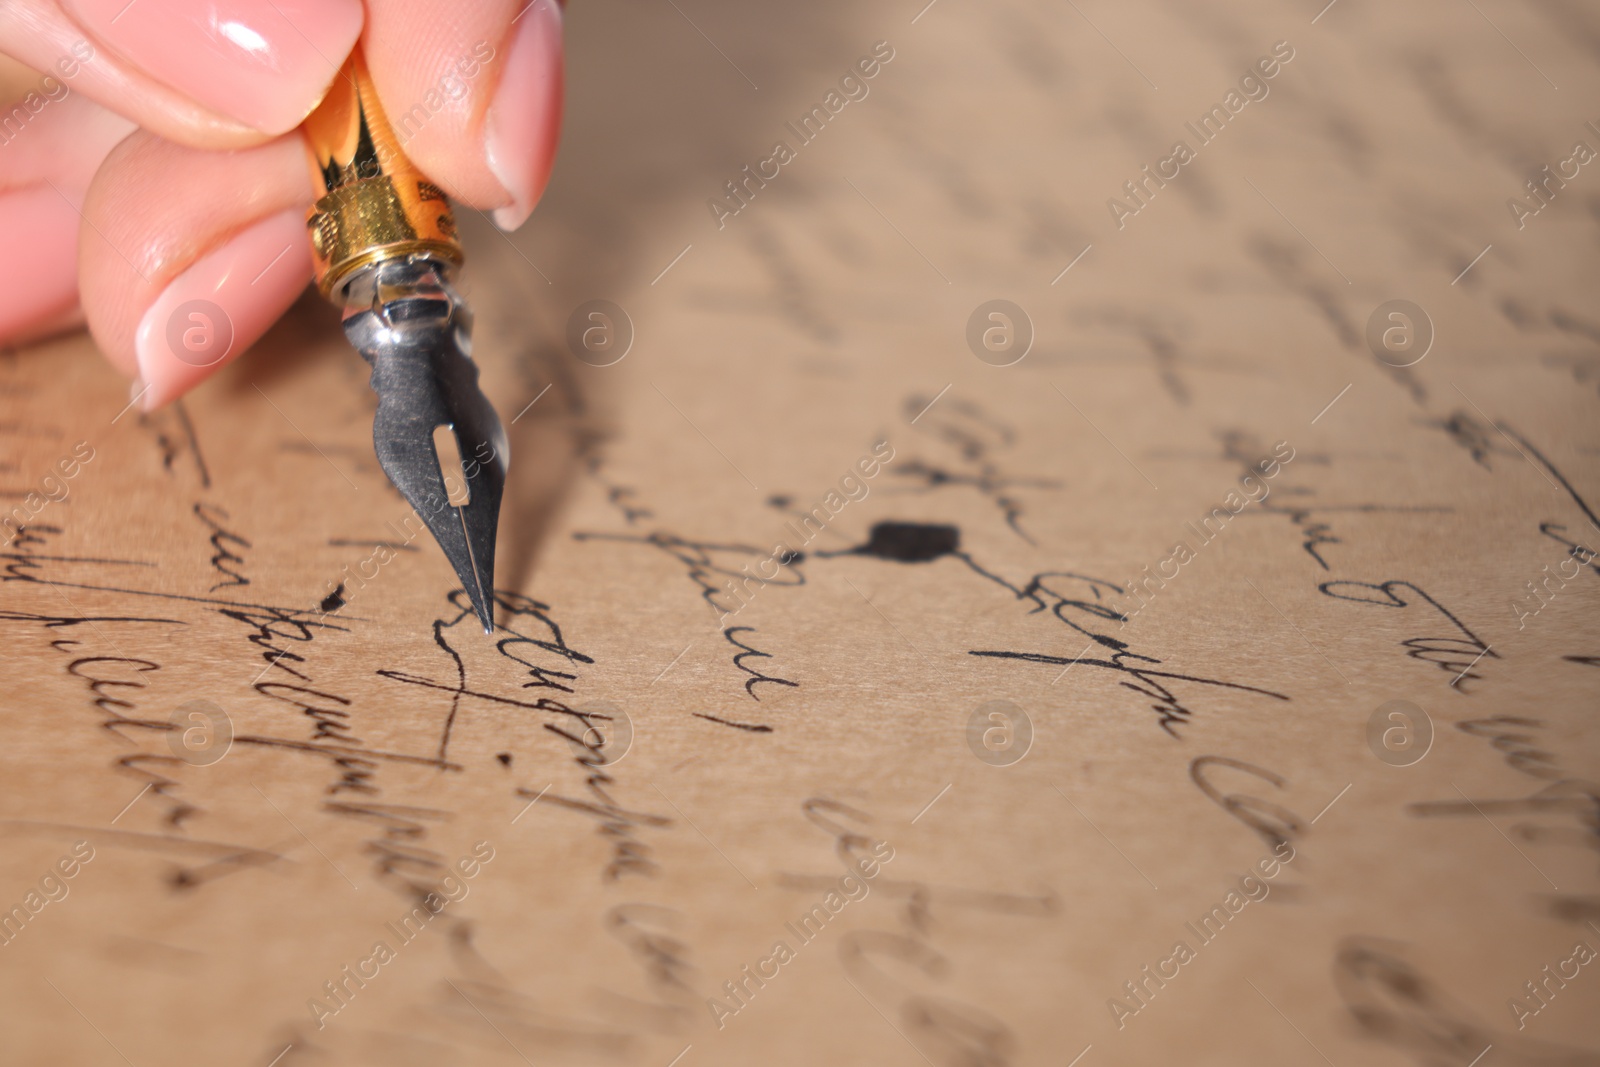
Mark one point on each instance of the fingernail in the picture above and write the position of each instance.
(211, 312)
(40, 279)
(524, 120)
(265, 65)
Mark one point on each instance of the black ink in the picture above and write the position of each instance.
(193, 441)
(159, 784)
(1567, 322)
(1585, 555)
(1160, 335)
(23, 562)
(1393, 1002)
(515, 606)
(1527, 446)
(618, 496)
(175, 846)
(1519, 756)
(702, 560)
(1424, 648)
(976, 436)
(105, 702)
(330, 720)
(662, 955)
(175, 443)
(344, 754)
(1282, 263)
(1272, 822)
(267, 634)
(1316, 533)
(755, 728)
(965, 1033)
(52, 622)
(1171, 711)
(910, 542)
(1473, 434)
(756, 676)
(988, 481)
(223, 557)
(1321, 533)
(907, 542)
(398, 849)
(630, 855)
(23, 557)
(542, 704)
(705, 562)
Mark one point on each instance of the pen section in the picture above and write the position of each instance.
(376, 205)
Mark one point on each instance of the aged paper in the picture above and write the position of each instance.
(1191, 659)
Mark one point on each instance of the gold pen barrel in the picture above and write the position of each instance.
(374, 205)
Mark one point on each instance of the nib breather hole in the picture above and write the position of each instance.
(451, 469)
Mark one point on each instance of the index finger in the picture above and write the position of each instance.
(205, 73)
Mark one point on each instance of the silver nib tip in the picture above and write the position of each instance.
(411, 326)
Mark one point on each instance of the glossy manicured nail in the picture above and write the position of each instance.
(524, 119)
(217, 308)
(263, 64)
(40, 280)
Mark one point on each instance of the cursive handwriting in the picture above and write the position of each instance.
(1442, 652)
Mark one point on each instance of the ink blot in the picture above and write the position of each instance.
(910, 542)
(334, 600)
(504, 758)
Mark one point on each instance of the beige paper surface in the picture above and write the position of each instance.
(626, 802)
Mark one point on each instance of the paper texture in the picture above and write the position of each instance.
(1296, 644)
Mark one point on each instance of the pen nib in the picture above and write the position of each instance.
(416, 333)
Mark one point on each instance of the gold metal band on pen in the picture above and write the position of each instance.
(375, 205)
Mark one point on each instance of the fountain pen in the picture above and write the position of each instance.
(384, 248)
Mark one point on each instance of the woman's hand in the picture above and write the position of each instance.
(206, 199)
